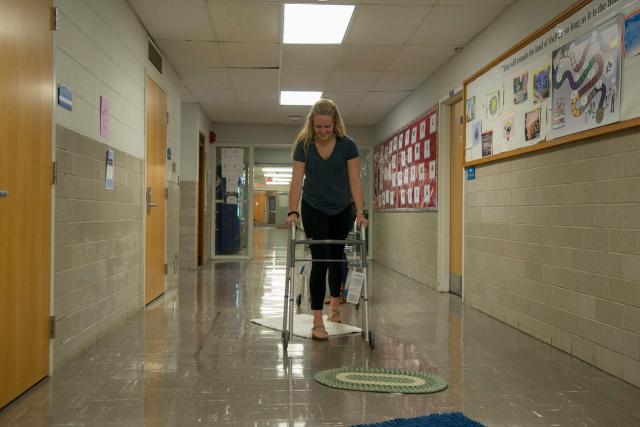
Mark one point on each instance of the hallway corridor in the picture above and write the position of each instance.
(194, 358)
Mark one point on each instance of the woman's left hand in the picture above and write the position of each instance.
(361, 221)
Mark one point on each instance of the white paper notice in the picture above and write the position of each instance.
(433, 123)
(421, 172)
(355, 279)
(403, 197)
(393, 179)
(392, 199)
(400, 139)
(416, 196)
(414, 135)
(410, 195)
(409, 155)
(427, 149)
(406, 136)
(432, 169)
(405, 178)
(427, 193)
(416, 152)
(399, 180)
(423, 129)
(413, 173)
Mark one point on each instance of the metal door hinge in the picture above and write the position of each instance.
(167, 117)
(166, 269)
(55, 18)
(52, 327)
(461, 119)
(54, 178)
(166, 192)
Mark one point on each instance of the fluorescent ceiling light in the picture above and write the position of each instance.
(293, 97)
(277, 183)
(279, 175)
(316, 24)
(273, 169)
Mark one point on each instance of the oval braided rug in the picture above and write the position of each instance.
(381, 380)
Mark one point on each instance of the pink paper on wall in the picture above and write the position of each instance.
(104, 117)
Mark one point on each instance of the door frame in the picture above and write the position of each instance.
(444, 183)
(249, 222)
(202, 195)
(151, 74)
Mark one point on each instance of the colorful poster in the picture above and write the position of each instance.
(532, 125)
(520, 88)
(493, 105)
(508, 126)
(487, 143)
(476, 134)
(541, 85)
(632, 34)
(586, 80)
(471, 109)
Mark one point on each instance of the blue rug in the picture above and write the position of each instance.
(452, 419)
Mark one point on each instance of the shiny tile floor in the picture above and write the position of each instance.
(194, 358)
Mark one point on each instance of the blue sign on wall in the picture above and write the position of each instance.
(65, 99)
(471, 173)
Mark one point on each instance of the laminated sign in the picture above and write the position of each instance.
(354, 284)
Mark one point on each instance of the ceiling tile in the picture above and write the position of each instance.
(383, 100)
(399, 80)
(169, 19)
(400, 2)
(222, 113)
(384, 24)
(315, 80)
(352, 81)
(367, 58)
(247, 79)
(259, 113)
(426, 58)
(257, 97)
(213, 96)
(474, 2)
(254, 55)
(192, 53)
(365, 116)
(213, 78)
(309, 57)
(246, 21)
(343, 99)
(455, 25)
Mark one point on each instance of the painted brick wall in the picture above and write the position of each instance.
(98, 243)
(173, 234)
(188, 225)
(552, 247)
(407, 242)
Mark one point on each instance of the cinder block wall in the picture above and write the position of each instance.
(98, 243)
(407, 242)
(552, 247)
(173, 234)
(188, 225)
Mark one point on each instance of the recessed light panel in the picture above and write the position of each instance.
(316, 24)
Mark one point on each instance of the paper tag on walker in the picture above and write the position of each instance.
(354, 284)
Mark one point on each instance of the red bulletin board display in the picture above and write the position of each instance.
(406, 168)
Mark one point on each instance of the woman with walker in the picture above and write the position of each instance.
(328, 161)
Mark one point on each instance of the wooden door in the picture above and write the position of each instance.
(259, 207)
(25, 205)
(455, 243)
(201, 189)
(154, 282)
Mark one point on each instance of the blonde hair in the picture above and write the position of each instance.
(322, 107)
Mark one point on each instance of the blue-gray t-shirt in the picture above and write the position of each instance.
(326, 184)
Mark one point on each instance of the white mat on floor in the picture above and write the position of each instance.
(302, 324)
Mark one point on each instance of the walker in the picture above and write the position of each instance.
(357, 262)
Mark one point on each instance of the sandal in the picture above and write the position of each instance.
(334, 315)
(318, 332)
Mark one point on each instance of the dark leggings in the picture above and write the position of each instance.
(320, 226)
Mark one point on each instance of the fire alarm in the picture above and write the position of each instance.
(212, 137)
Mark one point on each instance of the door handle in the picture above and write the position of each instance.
(150, 204)
(4, 194)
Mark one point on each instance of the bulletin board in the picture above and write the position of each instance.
(405, 171)
(577, 77)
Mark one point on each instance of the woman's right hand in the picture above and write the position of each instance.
(291, 219)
